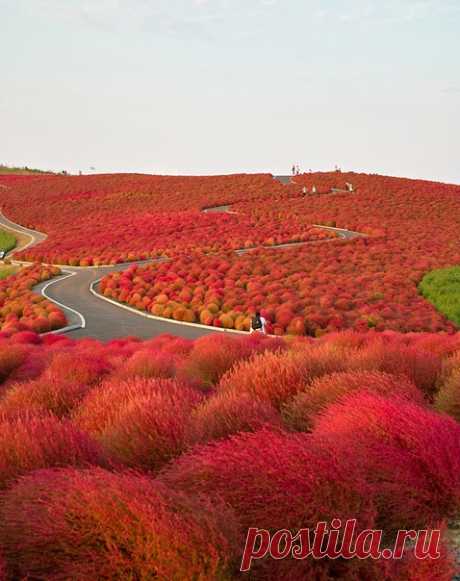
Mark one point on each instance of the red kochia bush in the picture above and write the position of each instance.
(92, 524)
(77, 366)
(409, 568)
(409, 455)
(278, 376)
(11, 357)
(35, 361)
(148, 363)
(33, 443)
(26, 337)
(228, 413)
(301, 411)
(421, 367)
(45, 394)
(101, 406)
(275, 481)
(211, 357)
(145, 428)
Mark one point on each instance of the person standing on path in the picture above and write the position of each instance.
(258, 323)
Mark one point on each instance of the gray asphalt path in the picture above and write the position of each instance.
(216, 209)
(100, 319)
(285, 180)
(33, 236)
(103, 320)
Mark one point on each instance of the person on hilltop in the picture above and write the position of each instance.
(293, 170)
(350, 187)
(258, 323)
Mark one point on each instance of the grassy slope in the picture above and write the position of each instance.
(442, 289)
(5, 169)
(7, 240)
(7, 271)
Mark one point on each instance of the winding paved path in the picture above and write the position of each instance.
(90, 315)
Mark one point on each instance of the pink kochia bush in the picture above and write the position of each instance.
(30, 444)
(276, 377)
(211, 357)
(409, 456)
(274, 481)
(417, 364)
(148, 363)
(11, 357)
(300, 413)
(228, 413)
(92, 524)
(69, 375)
(142, 423)
(42, 396)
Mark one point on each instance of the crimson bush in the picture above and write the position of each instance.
(300, 413)
(228, 413)
(28, 444)
(146, 424)
(408, 454)
(93, 524)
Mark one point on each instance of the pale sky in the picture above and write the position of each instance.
(219, 86)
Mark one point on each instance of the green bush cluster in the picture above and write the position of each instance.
(7, 241)
(7, 271)
(6, 169)
(442, 289)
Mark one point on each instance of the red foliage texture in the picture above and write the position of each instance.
(134, 460)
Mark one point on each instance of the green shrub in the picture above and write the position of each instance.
(7, 241)
(442, 289)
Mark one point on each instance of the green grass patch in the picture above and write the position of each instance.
(442, 289)
(7, 241)
(6, 169)
(7, 271)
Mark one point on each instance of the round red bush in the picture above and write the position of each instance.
(421, 367)
(211, 357)
(228, 413)
(11, 357)
(141, 422)
(77, 365)
(45, 394)
(408, 454)
(275, 480)
(278, 376)
(300, 413)
(33, 443)
(148, 363)
(93, 524)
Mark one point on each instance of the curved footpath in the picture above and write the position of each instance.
(89, 314)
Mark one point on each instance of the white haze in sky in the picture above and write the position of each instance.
(219, 86)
